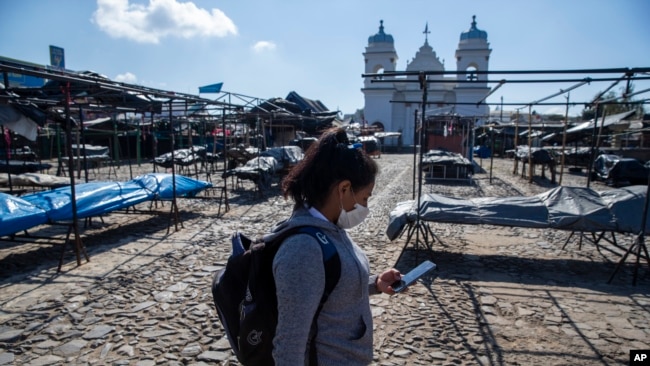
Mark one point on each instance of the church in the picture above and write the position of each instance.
(394, 103)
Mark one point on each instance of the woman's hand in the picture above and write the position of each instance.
(386, 279)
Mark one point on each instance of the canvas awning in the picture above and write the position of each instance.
(16, 121)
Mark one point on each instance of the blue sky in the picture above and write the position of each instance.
(266, 49)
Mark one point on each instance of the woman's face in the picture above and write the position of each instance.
(360, 196)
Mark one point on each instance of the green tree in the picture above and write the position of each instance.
(554, 117)
(613, 103)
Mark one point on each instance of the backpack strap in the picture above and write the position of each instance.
(330, 259)
(332, 265)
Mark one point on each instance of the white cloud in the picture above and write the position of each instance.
(262, 46)
(555, 110)
(160, 19)
(127, 77)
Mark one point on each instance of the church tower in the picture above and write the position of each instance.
(472, 55)
(380, 56)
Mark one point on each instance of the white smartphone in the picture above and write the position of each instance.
(413, 275)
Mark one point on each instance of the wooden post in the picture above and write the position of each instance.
(566, 122)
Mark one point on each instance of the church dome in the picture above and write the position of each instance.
(380, 37)
(473, 32)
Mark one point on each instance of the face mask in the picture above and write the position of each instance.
(348, 220)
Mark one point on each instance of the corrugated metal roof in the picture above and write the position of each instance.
(306, 104)
(609, 120)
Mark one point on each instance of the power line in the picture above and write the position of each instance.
(620, 70)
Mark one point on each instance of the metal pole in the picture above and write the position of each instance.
(593, 151)
(154, 142)
(469, 146)
(641, 237)
(491, 152)
(115, 142)
(600, 129)
(82, 133)
(190, 143)
(78, 152)
(503, 137)
(516, 141)
(566, 123)
(530, 142)
(225, 142)
(2, 129)
(127, 138)
(138, 135)
(78, 245)
(174, 208)
(639, 243)
(423, 84)
(415, 149)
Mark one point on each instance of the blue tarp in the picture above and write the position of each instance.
(212, 88)
(17, 215)
(92, 199)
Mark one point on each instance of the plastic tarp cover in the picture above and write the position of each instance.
(446, 208)
(577, 208)
(92, 199)
(403, 214)
(289, 154)
(540, 155)
(371, 144)
(16, 121)
(267, 163)
(531, 211)
(254, 168)
(34, 180)
(455, 165)
(259, 170)
(162, 185)
(89, 150)
(562, 208)
(184, 157)
(445, 158)
(20, 167)
(627, 204)
(16, 214)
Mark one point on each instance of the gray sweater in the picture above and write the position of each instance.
(345, 322)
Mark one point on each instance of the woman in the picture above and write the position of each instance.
(330, 187)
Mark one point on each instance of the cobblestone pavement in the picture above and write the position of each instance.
(500, 295)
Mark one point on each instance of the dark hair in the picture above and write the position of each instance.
(328, 161)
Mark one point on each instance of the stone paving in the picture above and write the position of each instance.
(500, 295)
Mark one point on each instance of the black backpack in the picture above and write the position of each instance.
(245, 298)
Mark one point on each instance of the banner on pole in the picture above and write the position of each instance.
(214, 88)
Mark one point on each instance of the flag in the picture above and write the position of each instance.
(214, 88)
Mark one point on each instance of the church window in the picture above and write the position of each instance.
(471, 73)
(379, 70)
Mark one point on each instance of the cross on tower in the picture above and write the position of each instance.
(426, 32)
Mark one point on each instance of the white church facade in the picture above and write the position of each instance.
(392, 103)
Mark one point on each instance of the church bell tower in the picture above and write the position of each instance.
(380, 56)
(472, 55)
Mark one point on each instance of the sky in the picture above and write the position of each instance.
(266, 49)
